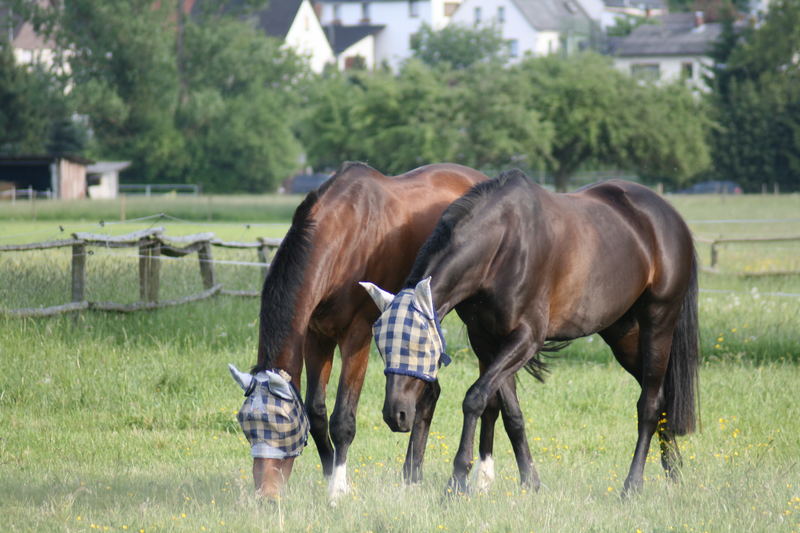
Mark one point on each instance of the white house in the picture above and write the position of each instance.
(354, 46)
(675, 48)
(29, 47)
(297, 24)
(387, 24)
(535, 27)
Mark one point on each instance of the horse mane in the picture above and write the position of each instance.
(286, 274)
(452, 216)
(443, 234)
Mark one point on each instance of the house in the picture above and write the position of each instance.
(102, 178)
(386, 27)
(353, 46)
(54, 176)
(29, 47)
(676, 47)
(295, 22)
(534, 27)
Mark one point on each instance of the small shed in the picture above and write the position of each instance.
(57, 176)
(103, 178)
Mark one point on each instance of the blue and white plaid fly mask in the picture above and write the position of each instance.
(408, 333)
(272, 416)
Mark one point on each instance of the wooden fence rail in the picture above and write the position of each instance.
(714, 253)
(152, 245)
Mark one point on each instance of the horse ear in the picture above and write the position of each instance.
(381, 297)
(279, 386)
(423, 297)
(241, 378)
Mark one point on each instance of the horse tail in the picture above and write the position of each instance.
(682, 395)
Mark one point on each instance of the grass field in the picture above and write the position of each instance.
(126, 422)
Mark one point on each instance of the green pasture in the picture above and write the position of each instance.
(112, 422)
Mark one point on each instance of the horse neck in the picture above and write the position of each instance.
(455, 277)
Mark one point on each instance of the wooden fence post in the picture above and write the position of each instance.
(149, 270)
(206, 265)
(263, 257)
(79, 272)
(713, 255)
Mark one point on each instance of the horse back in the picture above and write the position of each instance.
(369, 227)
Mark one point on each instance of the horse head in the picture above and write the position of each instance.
(410, 340)
(275, 423)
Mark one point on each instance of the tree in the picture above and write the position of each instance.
(237, 118)
(34, 113)
(497, 128)
(458, 46)
(204, 100)
(755, 100)
(602, 116)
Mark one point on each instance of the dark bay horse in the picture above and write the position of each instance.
(359, 225)
(523, 266)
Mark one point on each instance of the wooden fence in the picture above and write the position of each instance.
(152, 245)
(714, 253)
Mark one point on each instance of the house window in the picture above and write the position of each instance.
(355, 62)
(501, 14)
(450, 8)
(337, 13)
(477, 15)
(513, 48)
(646, 71)
(413, 8)
(687, 70)
(364, 11)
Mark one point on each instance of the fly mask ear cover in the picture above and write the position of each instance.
(410, 339)
(272, 416)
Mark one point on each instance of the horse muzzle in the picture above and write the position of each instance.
(398, 419)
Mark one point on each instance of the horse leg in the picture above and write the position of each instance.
(671, 459)
(318, 354)
(484, 476)
(514, 422)
(412, 468)
(515, 351)
(355, 356)
(655, 341)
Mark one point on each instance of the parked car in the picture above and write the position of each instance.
(713, 187)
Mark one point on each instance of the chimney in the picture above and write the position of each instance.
(698, 19)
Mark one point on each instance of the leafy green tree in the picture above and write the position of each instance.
(236, 121)
(122, 68)
(497, 128)
(458, 46)
(34, 113)
(604, 117)
(756, 101)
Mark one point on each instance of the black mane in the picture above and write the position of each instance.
(285, 277)
(455, 212)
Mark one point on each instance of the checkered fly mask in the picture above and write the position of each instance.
(274, 421)
(410, 341)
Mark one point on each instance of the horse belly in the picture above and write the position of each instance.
(594, 305)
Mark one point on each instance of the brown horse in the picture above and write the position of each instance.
(360, 225)
(523, 266)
